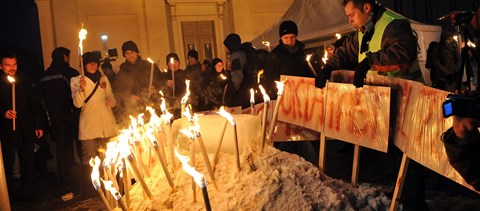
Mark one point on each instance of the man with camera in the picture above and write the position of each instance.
(462, 144)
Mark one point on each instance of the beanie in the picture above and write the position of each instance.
(288, 27)
(89, 57)
(232, 41)
(215, 61)
(193, 53)
(129, 45)
(172, 55)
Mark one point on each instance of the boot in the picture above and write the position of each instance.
(87, 189)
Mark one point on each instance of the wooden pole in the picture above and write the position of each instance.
(356, 161)
(321, 153)
(402, 173)
(4, 200)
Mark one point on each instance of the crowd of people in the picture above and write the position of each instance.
(87, 107)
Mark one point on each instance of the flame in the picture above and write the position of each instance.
(338, 36)
(150, 60)
(108, 186)
(187, 94)
(111, 154)
(82, 35)
(95, 176)
(280, 86)
(11, 79)
(226, 115)
(252, 96)
(165, 70)
(197, 176)
(266, 98)
(259, 75)
(266, 43)
(471, 44)
(308, 57)
(325, 56)
(455, 38)
(223, 77)
(187, 133)
(123, 147)
(171, 60)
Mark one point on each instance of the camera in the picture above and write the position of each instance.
(461, 105)
(458, 17)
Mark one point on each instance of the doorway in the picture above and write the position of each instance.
(200, 36)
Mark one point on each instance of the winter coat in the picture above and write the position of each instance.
(464, 157)
(398, 48)
(284, 60)
(96, 118)
(55, 85)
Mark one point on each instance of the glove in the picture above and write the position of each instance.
(322, 76)
(361, 73)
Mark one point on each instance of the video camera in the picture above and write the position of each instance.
(461, 105)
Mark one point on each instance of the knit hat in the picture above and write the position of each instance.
(288, 27)
(172, 55)
(89, 57)
(232, 41)
(215, 61)
(129, 45)
(193, 53)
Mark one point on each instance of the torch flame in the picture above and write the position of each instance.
(455, 38)
(123, 146)
(338, 36)
(187, 94)
(150, 60)
(171, 60)
(108, 186)
(259, 75)
(197, 176)
(110, 154)
(266, 43)
(266, 98)
(280, 86)
(82, 34)
(187, 133)
(325, 56)
(95, 176)
(471, 44)
(226, 115)
(223, 77)
(11, 79)
(252, 96)
(308, 57)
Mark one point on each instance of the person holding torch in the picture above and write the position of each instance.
(97, 123)
(28, 121)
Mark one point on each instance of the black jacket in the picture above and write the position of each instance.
(29, 113)
(55, 86)
(284, 60)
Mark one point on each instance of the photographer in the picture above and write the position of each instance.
(462, 144)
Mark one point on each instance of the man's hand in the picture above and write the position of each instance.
(39, 133)
(465, 128)
(10, 114)
(323, 75)
(361, 73)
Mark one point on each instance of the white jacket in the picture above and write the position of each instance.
(96, 118)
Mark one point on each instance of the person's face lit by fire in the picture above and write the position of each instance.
(219, 67)
(330, 51)
(9, 66)
(358, 16)
(289, 39)
(91, 67)
(131, 56)
(175, 66)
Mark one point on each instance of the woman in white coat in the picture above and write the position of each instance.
(93, 94)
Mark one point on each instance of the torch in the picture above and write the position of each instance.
(266, 43)
(230, 119)
(185, 98)
(252, 101)
(14, 107)
(166, 116)
(152, 64)
(266, 102)
(172, 62)
(222, 134)
(160, 157)
(82, 35)
(198, 135)
(115, 194)
(309, 56)
(197, 177)
(95, 176)
(280, 86)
